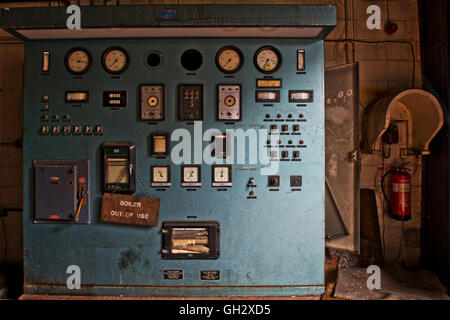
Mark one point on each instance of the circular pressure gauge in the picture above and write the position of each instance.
(78, 60)
(229, 59)
(267, 59)
(115, 60)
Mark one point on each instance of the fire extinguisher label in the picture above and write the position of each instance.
(401, 187)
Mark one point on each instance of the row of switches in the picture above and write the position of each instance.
(274, 181)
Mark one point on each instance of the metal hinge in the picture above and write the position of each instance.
(353, 156)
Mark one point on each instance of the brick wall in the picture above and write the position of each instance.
(384, 68)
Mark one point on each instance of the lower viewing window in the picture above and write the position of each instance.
(190, 240)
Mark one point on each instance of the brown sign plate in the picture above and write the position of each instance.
(210, 275)
(126, 209)
(173, 274)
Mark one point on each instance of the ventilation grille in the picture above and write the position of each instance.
(411, 238)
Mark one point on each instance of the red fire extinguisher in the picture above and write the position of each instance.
(400, 203)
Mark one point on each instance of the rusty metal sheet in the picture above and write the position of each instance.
(133, 210)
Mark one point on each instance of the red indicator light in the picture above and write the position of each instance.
(54, 178)
(300, 115)
(301, 142)
(82, 180)
(278, 115)
(54, 217)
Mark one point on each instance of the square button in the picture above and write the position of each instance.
(296, 181)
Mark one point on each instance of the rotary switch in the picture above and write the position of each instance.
(87, 129)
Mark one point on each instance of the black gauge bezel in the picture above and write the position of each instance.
(213, 179)
(107, 51)
(199, 178)
(277, 52)
(70, 52)
(239, 52)
(161, 57)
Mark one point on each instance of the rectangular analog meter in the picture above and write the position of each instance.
(221, 175)
(45, 61)
(268, 83)
(267, 96)
(119, 163)
(160, 144)
(301, 59)
(191, 176)
(76, 96)
(160, 176)
(300, 96)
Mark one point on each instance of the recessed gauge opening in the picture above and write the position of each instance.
(191, 59)
(154, 59)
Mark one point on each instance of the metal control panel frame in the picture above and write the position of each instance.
(271, 236)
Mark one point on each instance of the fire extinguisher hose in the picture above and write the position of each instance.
(384, 192)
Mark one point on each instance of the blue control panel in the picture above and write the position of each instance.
(228, 134)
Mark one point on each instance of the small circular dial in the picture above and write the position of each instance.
(115, 60)
(267, 59)
(152, 101)
(230, 101)
(78, 60)
(229, 59)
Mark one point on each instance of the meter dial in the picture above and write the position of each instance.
(78, 60)
(191, 174)
(229, 59)
(221, 174)
(160, 174)
(115, 60)
(267, 59)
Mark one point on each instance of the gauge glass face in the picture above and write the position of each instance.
(190, 174)
(160, 174)
(78, 61)
(267, 60)
(229, 59)
(115, 60)
(221, 174)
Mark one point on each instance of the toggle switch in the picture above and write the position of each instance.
(87, 129)
(273, 181)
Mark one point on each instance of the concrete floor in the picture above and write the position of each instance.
(350, 283)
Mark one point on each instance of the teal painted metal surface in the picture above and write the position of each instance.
(270, 246)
